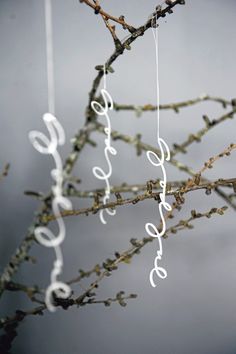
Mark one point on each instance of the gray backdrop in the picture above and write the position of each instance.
(194, 309)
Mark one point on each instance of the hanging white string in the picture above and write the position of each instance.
(104, 77)
(99, 173)
(157, 161)
(48, 146)
(156, 41)
(49, 54)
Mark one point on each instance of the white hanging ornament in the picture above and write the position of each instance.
(99, 173)
(49, 146)
(157, 161)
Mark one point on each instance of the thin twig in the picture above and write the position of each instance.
(98, 10)
(111, 265)
(141, 197)
(196, 137)
(173, 106)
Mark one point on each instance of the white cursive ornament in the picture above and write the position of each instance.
(99, 173)
(44, 235)
(48, 146)
(157, 161)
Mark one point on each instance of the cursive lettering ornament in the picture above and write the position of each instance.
(48, 146)
(99, 173)
(44, 235)
(157, 161)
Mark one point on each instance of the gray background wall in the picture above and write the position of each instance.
(193, 310)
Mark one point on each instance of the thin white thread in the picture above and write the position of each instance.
(49, 55)
(99, 173)
(157, 161)
(104, 77)
(48, 146)
(156, 40)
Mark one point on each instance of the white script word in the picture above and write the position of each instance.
(44, 235)
(98, 171)
(151, 229)
(157, 161)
